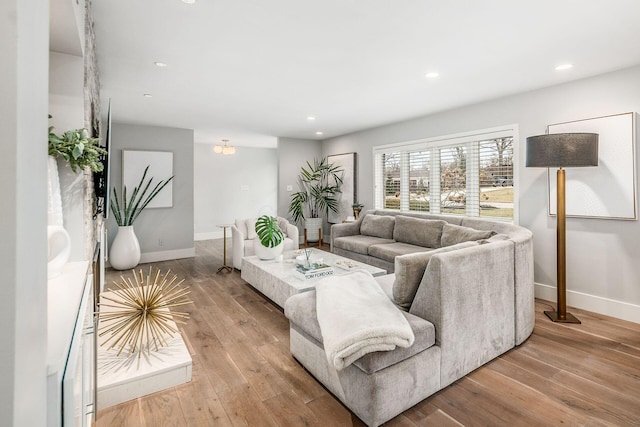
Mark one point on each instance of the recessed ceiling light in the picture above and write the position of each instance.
(189, 1)
(148, 95)
(160, 64)
(432, 75)
(310, 118)
(319, 133)
(563, 67)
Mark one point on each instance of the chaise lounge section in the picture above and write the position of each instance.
(466, 305)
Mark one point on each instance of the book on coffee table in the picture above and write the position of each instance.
(312, 272)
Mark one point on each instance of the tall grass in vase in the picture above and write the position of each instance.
(125, 249)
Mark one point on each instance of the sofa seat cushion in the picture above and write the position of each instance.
(358, 243)
(248, 248)
(418, 231)
(378, 226)
(454, 234)
(300, 309)
(389, 251)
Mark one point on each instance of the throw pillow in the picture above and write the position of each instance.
(409, 270)
(452, 234)
(378, 226)
(282, 225)
(418, 231)
(251, 228)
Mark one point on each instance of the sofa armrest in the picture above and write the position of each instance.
(237, 240)
(344, 229)
(468, 295)
(293, 233)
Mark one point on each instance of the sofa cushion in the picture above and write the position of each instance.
(453, 234)
(386, 283)
(249, 249)
(358, 243)
(495, 238)
(282, 225)
(378, 226)
(418, 231)
(251, 228)
(409, 270)
(300, 309)
(425, 337)
(389, 251)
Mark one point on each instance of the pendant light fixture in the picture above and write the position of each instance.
(225, 149)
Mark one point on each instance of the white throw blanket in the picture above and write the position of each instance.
(356, 317)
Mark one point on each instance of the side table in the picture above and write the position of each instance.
(224, 267)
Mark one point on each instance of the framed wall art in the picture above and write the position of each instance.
(160, 168)
(607, 191)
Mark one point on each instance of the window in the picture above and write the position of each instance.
(469, 174)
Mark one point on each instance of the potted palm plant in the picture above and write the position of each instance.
(125, 249)
(319, 188)
(270, 241)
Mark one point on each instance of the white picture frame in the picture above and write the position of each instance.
(349, 195)
(607, 191)
(160, 168)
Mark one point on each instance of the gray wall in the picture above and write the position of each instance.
(242, 185)
(292, 155)
(174, 226)
(24, 70)
(602, 255)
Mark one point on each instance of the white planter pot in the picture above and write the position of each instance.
(59, 250)
(125, 249)
(313, 225)
(265, 253)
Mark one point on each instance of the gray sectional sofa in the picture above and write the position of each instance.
(467, 302)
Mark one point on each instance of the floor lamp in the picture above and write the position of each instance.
(562, 150)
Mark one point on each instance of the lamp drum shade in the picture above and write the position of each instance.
(562, 150)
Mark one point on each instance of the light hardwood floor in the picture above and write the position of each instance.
(244, 375)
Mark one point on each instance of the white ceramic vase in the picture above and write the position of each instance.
(54, 198)
(265, 253)
(313, 225)
(125, 249)
(59, 250)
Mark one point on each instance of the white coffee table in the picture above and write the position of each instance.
(276, 280)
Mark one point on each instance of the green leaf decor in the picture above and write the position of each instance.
(126, 214)
(268, 231)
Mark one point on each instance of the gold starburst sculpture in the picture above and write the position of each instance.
(138, 316)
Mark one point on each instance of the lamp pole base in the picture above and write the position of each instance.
(569, 318)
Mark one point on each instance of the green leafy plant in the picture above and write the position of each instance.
(77, 148)
(139, 200)
(319, 188)
(268, 231)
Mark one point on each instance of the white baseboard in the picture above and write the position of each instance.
(619, 309)
(164, 255)
(210, 235)
(168, 255)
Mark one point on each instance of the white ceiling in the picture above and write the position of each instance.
(253, 70)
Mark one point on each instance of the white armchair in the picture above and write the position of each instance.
(243, 233)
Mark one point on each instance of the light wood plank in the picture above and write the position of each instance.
(128, 414)
(244, 374)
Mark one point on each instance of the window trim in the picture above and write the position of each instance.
(450, 140)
